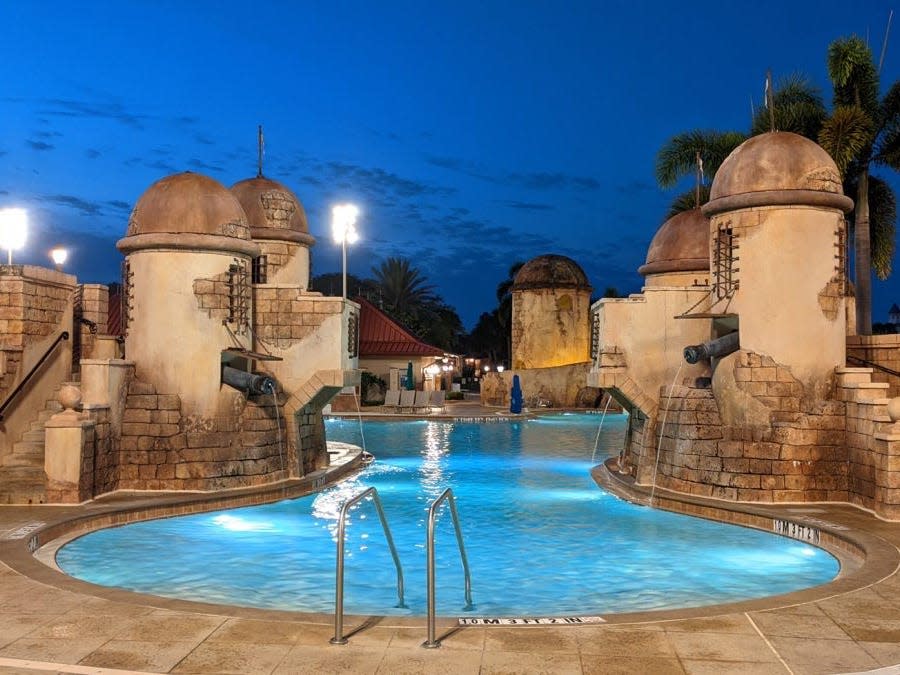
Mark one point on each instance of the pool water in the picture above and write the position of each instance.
(542, 539)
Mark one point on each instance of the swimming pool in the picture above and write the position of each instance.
(541, 537)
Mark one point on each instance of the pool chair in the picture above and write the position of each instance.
(423, 401)
(392, 399)
(407, 400)
(437, 401)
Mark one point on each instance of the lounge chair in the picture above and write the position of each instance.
(437, 399)
(407, 400)
(423, 401)
(392, 399)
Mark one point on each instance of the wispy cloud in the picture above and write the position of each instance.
(90, 153)
(527, 206)
(119, 205)
(204, 166)
(85, 207)
(110, 110)
(542, 180)
(39, 145)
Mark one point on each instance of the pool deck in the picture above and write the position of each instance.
(52, 623)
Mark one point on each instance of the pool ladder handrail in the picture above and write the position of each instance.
(432, 642)
(339, 638)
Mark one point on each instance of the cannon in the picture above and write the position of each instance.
(717, 348)
(251, 383)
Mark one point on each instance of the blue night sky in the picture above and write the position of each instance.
(471, 134)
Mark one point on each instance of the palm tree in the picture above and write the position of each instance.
(864, 131)
(504, 308)
(404, 289)
(797, 107)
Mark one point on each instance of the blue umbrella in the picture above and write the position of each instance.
(515, 396)
(410, 382)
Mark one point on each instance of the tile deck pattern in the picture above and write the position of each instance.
(52, 623)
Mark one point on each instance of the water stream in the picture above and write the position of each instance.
(600, 428)
(662, 429)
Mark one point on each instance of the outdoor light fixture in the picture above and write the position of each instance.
(500, 369)
(59, 255)
(13, 228)
(343, 230)
(487, 369)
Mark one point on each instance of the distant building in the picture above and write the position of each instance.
(894, 315)
(386, 349)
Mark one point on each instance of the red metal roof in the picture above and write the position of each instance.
(379, 335)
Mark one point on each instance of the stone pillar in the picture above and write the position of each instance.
(886, 453)
(68, 461)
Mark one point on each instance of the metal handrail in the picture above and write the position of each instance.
(872, 364)
(339, 638)
(25, 380)
(447, 494)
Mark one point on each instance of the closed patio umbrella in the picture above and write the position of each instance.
(410, 382)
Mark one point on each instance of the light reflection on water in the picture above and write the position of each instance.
(541, 537)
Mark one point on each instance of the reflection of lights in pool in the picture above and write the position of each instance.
(238, 524)
(540, 536)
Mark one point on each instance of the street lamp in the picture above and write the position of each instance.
(13, 228)
(59, 255)
(343, 229)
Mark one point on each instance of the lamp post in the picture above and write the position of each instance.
(13, 228)
(343, 230)
(59, 255)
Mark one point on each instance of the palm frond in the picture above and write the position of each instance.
(882, 224)
(678, 157)
(687, 201)
(845, 135)
(853, 73)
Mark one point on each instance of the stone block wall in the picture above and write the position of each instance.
(287, 314)
(278, 254)
(34, 303)
(883, 350)
(791, 461)
(94, 308)
(160, 449)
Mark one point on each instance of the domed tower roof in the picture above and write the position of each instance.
(551, 271)
(189, 211)
(681, 244)
(273, 211)
(776, 168)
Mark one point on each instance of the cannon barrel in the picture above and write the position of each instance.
(718, 348)
(252, 383)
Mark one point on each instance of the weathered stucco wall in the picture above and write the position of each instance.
(559, 386)
(550, 327)
(789, 298)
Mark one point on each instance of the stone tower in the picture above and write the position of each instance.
(188, 255)
(278, 224)
(777, 255)
(551, 303)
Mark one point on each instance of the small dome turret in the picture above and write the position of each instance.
(551, 271)
(681, 244)
(273, 211)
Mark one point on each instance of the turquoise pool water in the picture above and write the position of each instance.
(541, 537)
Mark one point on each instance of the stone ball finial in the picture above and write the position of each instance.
(69, 397)
(893, 409)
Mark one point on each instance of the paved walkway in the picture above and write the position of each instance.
(52, 623)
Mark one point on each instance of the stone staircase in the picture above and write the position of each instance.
(22, 477)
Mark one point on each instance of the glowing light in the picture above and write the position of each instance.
(59, 255)
(343, 223)
(500, 369)
(343, 230)
(13, 229)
